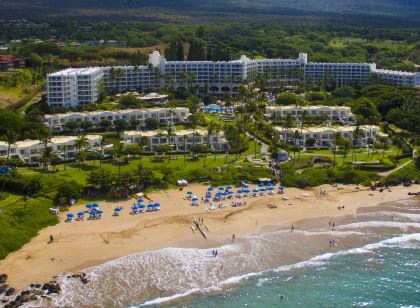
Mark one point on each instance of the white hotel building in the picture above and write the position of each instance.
(180, 141)
(57, 122)
(72, 87)
(324, 136)
(340, 114)
(29, 151)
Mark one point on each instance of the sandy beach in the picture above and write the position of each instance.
(78, 245)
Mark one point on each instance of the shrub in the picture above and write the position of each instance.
(69, 189)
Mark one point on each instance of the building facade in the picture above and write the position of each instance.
(57, 122)
(180, 141)
(214, 76)
(73, 87)
(341, 114)
(9, 62)
(324, 136)
(29, 151)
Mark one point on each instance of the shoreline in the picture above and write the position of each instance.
(80, 245)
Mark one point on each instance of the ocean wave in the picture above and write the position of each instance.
(387, 213)
(379, 224)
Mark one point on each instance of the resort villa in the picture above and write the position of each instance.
(72, 87)
(324, 136)
(57, 122)
(182, 140)
(339, 114)
(29, 151)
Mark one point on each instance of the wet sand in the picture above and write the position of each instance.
(79, 245)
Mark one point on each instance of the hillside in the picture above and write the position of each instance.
(404, 10)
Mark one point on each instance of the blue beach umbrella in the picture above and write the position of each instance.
(149, 206)
(282, 188)
(271, 188)
(260, 184)
(269, 184)
(194, 199)
(189, 193)
(221, 188)
(218, 195)
(210, 189)
(263, 189)
(117, 209)
(247, 191)
(89, 206)
(157, 205)
(81, 214)
(239, 191)
(95, 205)
(99, 212)
(255, 190)
(230, 192)
(70, 215)
(140, 200)
(245, 185)
(142, 206)
(229, 187)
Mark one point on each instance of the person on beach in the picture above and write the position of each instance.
(333, 225)
(51, 238)
(292, 228)
(329, 225)
(233, 237)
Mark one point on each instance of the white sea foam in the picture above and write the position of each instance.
(161, 300)
(379, 224)
(415, 217)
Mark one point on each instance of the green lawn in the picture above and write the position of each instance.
(21, 222)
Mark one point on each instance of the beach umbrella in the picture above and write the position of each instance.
(157, 204)
(81, 214)
(89, 206)
(239, 191)
(260, 184)
(194, 199)
(140, 200)
(247, 191)
(229, 187)
(70, 215)
(263, 189)
(117, 209)
(221, 188)
(135, 207)
(282, 188)
(149, 206)
(142, 206)
(230, 192)
(95, 205)
(269, 184)
(210, 189)
(208, 196)
(271, 188)
(245, 185)
(189, 193)
(255, 190)
(99, 212)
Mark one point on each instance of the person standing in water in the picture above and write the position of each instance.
(233, 237)
(292, 228)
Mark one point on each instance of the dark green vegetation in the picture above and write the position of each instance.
(20, 221)
(345, 10)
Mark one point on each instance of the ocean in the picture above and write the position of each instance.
(369, 259)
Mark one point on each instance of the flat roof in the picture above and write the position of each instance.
(76, 71)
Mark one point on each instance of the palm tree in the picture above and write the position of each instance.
(11, 138)
(170, 131)
(336, 139)
(64, 148)
(80, 143)
(143, 141)
(296, 136)
(118, 73)
(356, 135)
